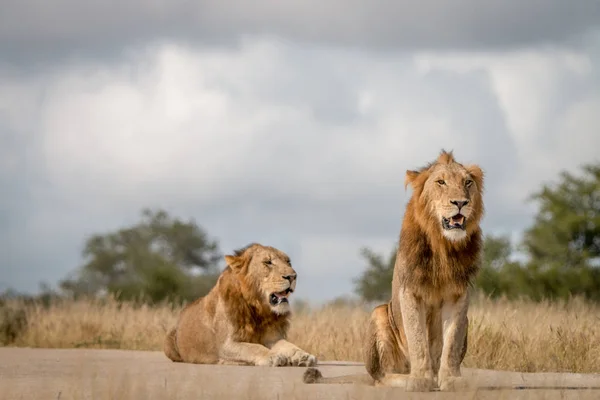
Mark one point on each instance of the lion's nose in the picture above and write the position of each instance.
(289, 277)
(459, 203)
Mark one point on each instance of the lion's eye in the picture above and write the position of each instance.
(441, 182)
(268, 262)
(468, 182)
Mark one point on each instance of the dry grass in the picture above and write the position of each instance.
(503, 335)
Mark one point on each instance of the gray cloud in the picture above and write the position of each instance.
(298, 146)
(37, 30)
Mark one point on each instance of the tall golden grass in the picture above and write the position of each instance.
(504, 335)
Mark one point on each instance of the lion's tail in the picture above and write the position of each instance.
(313, 375)
(170, 346)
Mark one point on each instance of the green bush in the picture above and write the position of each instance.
(13, 323)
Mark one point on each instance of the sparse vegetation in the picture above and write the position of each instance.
(505, 335)
(13, 322)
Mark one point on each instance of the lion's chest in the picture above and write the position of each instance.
(436, 276)
(251, 332)
(259, 329)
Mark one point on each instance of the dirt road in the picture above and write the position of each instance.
(120, 374)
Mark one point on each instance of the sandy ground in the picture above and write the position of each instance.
(120, 374)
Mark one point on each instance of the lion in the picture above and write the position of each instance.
(244, 319)
(421, 334)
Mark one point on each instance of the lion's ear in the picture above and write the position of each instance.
(477, 174)
(416, 179)
(411, 177)
(235, 262)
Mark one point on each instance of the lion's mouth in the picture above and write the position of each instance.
(456, 222)
(280, 297)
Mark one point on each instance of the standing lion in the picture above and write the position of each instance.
(244, 319)
(421, 334)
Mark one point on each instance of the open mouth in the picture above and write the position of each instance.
(280, 297)
(456, 222)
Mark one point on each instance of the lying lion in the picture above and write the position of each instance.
(421, 333)
(244, 319)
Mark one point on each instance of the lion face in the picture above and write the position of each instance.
(452, 194)
(269, 271)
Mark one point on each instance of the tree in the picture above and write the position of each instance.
(496, 251)
(563, 243)
(375, 283)
(159, 258)
(499, 275)
(566, 230)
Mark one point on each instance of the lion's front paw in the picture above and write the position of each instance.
(273, 360)
(303, 359)
(449, 379)
(420, 382)
(452, 383)
(414, 384)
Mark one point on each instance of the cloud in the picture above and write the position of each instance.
(35, 30)
(302, 147)
(549, 100)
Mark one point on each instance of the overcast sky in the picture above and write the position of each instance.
(287, 123)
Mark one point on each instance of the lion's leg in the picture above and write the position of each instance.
(435, 337)
(465, 344)
(251, 353)
(414, 319)
(454, 319)
(195, 342)
(381, 352)
(294, 355)
(197, 348)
